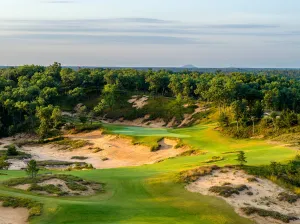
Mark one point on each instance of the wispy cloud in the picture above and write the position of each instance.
(59, 1)
(108, 39)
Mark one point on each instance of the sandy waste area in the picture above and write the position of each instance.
(264, 196)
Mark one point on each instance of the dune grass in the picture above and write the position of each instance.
(151, 193)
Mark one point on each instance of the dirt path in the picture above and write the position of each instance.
(264, 196)
(10, 215)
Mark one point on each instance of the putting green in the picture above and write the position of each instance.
(150, 193)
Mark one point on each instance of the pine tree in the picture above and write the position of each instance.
(32, 169)
(241, 158)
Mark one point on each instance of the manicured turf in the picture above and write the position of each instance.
(150, 193)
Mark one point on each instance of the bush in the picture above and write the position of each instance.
(12, 151)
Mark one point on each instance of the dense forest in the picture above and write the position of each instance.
(32, 98)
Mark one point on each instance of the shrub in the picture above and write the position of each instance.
(12, 150)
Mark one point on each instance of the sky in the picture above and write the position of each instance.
(170, 33)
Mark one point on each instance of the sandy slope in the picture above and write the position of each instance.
(119, 151)
(13, 215)
(264, 194)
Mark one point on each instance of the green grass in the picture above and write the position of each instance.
(152, 193)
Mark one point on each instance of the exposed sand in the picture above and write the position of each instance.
(138, 102)
(188, 118)
(264, 196)
(139, 122)
(119, 151)
(10, 215)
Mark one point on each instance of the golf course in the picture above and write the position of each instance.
(153, 193)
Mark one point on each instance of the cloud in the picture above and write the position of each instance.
(107, 39)
(243, 26)
(59, 1)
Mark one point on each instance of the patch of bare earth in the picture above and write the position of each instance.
(9, 215)
(139, 122)
(138, 102)
(264, 194)
(188, 118)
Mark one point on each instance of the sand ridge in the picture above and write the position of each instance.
(264, 196)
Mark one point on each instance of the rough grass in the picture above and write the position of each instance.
(57, 163)
(73, 144)
(214, 159)
(194, 174)
(80, 157)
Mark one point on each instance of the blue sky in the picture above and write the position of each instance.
(206, 33)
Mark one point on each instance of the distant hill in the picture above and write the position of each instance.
(188, 66)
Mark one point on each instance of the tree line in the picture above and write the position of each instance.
(31, 96)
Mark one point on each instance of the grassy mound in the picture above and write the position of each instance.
(74, 185)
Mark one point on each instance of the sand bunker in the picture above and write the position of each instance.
(264, 194)
(10, 215)
(113, 151)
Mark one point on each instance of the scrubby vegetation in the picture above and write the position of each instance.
(290, 198)
(79, 157)
(73, 183)
(271, 214)
(284, 174)
(72, 144)
(227, 191)
(194, 174)
(13, 153)
(35, 208)
(214, 159)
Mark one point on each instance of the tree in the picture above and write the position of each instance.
(3, 164)
(239, 110)
(241, 158)
(12, 151)
(32, 169)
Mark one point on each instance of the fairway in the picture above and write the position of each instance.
(150, 193)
